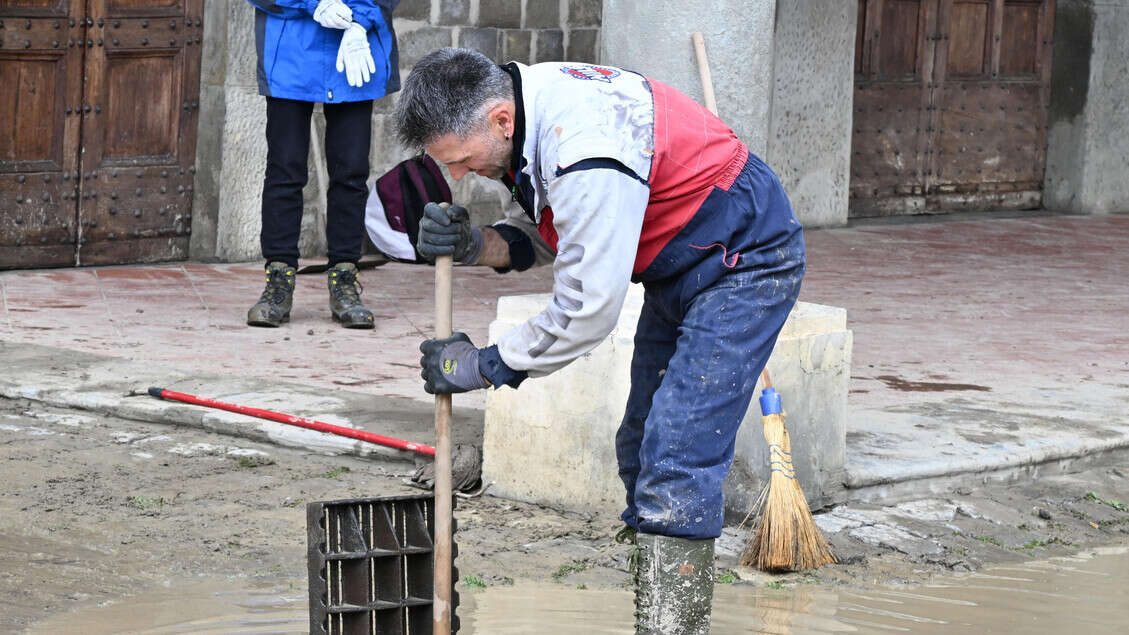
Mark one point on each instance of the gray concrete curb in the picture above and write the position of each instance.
(117, 387)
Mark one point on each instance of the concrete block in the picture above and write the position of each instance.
(414, 10)
(454, 12)
(542, 14)
(484, 41)
(518, 46)
(584, 12)
(419, 42)
(583, 45)
(500, 13)
(550, 46)
(552, 441)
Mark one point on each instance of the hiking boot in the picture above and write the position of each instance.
(273, 307)
(345, 297)
(673, 585)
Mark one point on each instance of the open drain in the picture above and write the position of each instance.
(370, 566)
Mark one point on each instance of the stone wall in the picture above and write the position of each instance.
(231, 148)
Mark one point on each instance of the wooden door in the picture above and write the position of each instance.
(139, 134)
(978, 73)
(102, 108)
(40, 88)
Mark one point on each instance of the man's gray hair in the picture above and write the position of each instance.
(448, 92)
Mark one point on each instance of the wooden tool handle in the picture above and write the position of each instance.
(441, 609)
(708, 99)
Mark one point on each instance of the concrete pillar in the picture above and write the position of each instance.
(653, 38)
(552, 441)
(1088, 120)
(782, 73)
(809, 142)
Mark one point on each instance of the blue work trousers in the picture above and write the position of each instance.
(697, 359)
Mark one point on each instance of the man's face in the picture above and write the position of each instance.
(480, 152)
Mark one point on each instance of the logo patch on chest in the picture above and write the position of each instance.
(590, 72)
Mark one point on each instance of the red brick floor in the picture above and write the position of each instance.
(1011, 304)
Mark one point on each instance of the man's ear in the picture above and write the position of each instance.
(501, 119)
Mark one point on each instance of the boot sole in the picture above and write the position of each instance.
(268, 323)
(353, 325)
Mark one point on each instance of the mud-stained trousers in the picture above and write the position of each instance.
(698, 354)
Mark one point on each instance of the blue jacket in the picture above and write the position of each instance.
(298, 57)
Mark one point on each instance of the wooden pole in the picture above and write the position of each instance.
(708, 99)
(441, 608)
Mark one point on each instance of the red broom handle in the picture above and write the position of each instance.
(301, 422)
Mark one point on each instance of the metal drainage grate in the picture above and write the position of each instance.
(370, 566)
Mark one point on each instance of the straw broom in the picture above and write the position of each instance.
(786, 537)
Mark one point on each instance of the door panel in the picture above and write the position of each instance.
(891, 116)
(981, 74)
(152, 78)
(139, 144)
(40, 90)
(991, 139)
(1019, 41)
(968, 39)
(98, 102)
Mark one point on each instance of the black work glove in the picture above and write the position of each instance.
(448, 233)
(450, 365)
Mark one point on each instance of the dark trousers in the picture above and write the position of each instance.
(348, 132)
(701, 342)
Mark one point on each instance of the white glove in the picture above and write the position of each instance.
(354, 57)
(333, 14)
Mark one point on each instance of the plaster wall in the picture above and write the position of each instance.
(1088, 121)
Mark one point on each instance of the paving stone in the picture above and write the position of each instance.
(929, 510)
(897, 538)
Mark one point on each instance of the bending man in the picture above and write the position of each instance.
(620, 179)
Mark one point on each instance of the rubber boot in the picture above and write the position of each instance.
(345, 297)
(673, 585)
(273, 307)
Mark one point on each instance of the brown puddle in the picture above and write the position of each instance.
(1085, 593)
(897, 383)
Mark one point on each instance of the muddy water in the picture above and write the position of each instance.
(1086, 593)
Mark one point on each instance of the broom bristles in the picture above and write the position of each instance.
(786, 537)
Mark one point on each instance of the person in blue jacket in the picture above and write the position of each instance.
(342, 54)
